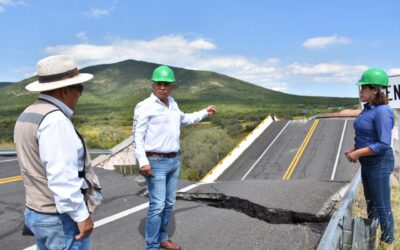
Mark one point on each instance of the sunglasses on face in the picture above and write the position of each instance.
(78, 87)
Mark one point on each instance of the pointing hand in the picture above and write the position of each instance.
(211, 110)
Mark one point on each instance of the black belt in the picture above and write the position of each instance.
(161, 155)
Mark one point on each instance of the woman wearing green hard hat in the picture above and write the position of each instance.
(373, 129)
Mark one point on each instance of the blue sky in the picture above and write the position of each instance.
(299, 47)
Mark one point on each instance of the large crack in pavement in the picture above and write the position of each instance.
(270, 215)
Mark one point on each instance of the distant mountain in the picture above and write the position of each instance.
(3, 84)
(116, 88)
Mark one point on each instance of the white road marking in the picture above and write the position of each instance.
(338, 152)
(9, 160)
(265, 151)
(120, 215)
(185, 189)
(125, 213)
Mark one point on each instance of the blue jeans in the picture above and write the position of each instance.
(54, 231)
(162, 194)
(375, 175)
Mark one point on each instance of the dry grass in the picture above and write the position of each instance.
(396, 213)
(360, 209)
(6, 145)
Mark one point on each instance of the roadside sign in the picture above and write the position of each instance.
(393, 94)
(393, 91)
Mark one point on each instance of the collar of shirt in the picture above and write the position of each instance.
(155, 99)
(368, 106)
(64, 108)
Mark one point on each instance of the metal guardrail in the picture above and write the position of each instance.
(8, 153)
(334, 231)
(339, 234)
(99, 152)
(91, 151)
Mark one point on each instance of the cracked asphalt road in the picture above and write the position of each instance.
(197, 225)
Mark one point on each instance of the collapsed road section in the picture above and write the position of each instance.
(305, 205)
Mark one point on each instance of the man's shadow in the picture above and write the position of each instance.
(171, 225)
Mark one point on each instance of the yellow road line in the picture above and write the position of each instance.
(237, 146)
(10, 179)
(297, 157)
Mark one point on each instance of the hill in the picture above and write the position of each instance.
(109, 100)
(104, 113)
(3, 84)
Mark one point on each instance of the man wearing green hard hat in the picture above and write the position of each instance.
(156, 132)
(372, 148)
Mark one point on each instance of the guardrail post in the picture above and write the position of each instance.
(347, 233)
(334, 236)
(364, 233)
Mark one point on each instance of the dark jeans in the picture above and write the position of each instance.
(375, 175)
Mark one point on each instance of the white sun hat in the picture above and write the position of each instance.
(56, 72)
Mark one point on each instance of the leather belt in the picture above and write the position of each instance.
(161, 155)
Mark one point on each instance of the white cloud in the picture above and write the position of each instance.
(21, 73)
(97, 12)
(278, 86)
(4, 3)
(263, 73)
(200, 54)
(172, 50)
(202, 44)
(82, 35)
(394, 71)
(12, 3)
(324, 41)
(22, 70)
(328, 72)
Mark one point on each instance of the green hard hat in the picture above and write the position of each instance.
(374, 76)
(163, 74)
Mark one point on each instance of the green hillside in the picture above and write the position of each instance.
(3, 84)
(116, 88)
(104, 113)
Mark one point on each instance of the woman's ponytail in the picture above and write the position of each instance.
(380, 98)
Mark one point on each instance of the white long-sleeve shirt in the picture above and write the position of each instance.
(156, 127)
(61, 153)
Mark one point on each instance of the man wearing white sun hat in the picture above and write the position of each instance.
(60, 184)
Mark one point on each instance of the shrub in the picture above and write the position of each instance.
(201, 149)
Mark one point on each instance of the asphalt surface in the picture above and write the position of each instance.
(217, 224)
(300, 197)
(120, 193)
(317, 161)
(9, 167)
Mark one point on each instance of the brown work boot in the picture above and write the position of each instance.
(167, 244)
(385, 246)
